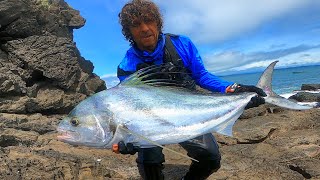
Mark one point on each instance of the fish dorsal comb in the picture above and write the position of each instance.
(155, 75)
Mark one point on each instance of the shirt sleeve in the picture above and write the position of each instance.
(127, 66)
(121, 73)
(202, 77)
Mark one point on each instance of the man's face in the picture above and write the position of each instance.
(145, 35)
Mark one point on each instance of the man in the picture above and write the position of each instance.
(142, 26)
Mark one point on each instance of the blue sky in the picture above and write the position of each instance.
(232, 36)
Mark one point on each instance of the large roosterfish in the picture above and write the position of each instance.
(139, 111)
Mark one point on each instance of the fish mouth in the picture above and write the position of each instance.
(64, 135)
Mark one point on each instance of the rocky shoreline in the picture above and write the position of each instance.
(269, 143)
(43, 76)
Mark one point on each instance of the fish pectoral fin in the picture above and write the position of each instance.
(155, 143)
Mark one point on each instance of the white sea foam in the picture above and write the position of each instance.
(287, 95)
(317, 91)
(313, 104)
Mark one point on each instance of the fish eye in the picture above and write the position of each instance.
(74, 121)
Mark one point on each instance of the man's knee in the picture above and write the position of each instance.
(202, 147)
(209, 161)
(214, 165)
(202, 170)
(150, 156)
(149, 163)
(201, 153)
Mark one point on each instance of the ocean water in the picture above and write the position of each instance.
(284, 81)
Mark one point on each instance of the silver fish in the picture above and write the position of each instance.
(147, 115)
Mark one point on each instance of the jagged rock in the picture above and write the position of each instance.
(11, 83)
(42, 77)
(281, 145)
(8, 11)
(24, 18)
(310, 87)
(48, 58)
(306, 97)
(51, 100)
(34, 122)
(41, 69)
(14, 104)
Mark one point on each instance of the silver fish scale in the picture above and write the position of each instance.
(176, 114)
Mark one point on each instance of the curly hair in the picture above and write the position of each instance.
(141, 10)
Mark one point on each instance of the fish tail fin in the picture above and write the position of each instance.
(265, 83)
(155, 143)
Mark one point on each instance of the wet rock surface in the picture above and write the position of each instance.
(43, 76)
(310, 87)
(306, 97)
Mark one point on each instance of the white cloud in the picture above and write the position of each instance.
(223, 61)
(234, 62)
(111, 80)
(215, 20)
(108, 75)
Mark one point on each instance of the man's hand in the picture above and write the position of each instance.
(255, 101)
(246, 88)
(123, 148)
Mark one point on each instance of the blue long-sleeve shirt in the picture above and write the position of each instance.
(189, 55)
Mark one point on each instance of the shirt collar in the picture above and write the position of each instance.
(147, 56)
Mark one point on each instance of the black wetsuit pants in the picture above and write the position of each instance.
(203, 148)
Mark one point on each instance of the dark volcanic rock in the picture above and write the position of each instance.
(41, 70)
(42, 77)
(310, 87)
(24, 18)
(306, 97)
